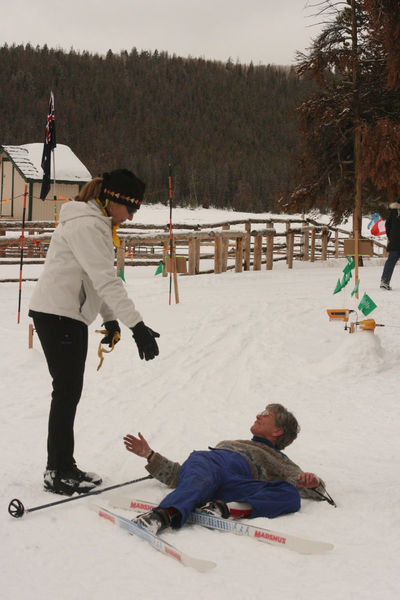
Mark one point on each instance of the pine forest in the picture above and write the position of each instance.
(229, 130)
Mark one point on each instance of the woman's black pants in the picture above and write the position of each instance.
(64, 342)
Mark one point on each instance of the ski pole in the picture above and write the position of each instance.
(17, 509)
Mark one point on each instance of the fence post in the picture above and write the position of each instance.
(225, 250)
(257, 252)
(239, 255)
(247, 242)
(288, 233)
(270, 251)
(312, 257)
(217, 253)
(287, 240)
(290, 249)
(197, 255)
(192, 256)
(306, 243)
(324, 243)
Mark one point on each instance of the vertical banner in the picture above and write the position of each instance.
(48, 147)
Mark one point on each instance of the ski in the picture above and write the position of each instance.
(154, 540)
(292, 542)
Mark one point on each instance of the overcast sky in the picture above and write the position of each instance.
(261, 31)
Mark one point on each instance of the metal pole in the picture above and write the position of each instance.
(357, 140)
(54, 188)
(22, 254)
(171, 262)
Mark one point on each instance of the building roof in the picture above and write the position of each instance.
(27, 159)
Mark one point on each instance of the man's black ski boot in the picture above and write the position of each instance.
(155, 520)
(217, 508)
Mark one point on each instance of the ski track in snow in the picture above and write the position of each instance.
(234, 343)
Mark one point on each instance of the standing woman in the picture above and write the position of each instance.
(79, 282)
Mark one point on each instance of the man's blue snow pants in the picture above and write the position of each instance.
(225, 475)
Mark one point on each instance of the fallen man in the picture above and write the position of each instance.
(253, 471)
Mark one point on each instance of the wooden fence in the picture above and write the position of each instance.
(211, 248)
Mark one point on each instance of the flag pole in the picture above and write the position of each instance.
(357, 213)
(22, 254)
(170, 230)
(54, 188)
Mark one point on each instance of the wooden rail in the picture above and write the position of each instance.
(215, 247)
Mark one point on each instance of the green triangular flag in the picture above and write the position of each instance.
(355, 290)
(351, 262)
(346, 279)
(338, 287)
(159, 269)
(121, 274)
(347, 269)
(366, 305)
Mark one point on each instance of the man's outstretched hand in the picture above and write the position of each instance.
(137, 445)
(308, 480)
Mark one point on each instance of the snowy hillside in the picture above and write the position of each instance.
(234, 343)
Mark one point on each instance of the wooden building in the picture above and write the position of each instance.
(20, 166)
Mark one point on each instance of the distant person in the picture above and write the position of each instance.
(393, 247)
(78, 282)
(252, 471)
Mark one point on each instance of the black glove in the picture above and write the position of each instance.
(112, 328)
(144, 338)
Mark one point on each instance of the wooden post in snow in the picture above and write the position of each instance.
(192, 256)
(306, 243)
(225, 251)
(287, 241)
(197, 248)
(257, 252)
(290, 249)
(239, 255)
(324, 243)
(312, 254)
(270, 251)
(247, 243)
(217, 253)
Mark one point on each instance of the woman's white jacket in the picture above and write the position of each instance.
(79, 279)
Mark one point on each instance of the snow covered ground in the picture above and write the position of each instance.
(234, 343)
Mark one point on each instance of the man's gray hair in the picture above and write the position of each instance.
(286, 421)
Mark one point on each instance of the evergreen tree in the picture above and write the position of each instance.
(349, 125)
